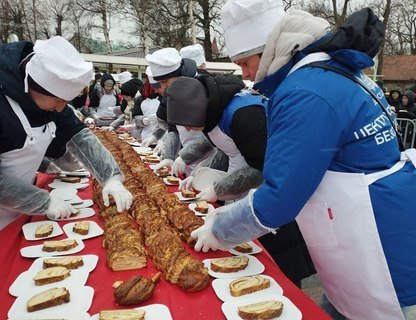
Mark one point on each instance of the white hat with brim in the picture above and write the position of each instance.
(124, 76)
(58, 68)
(164, 62)
(248, 23)
(194, 52)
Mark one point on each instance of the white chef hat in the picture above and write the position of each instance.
(152, 81)
(164, 63)
(247, 25)
(194, 52)
(58, 68)
(124, 76)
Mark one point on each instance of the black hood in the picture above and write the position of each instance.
(11, 79)
(362, 31)
(107, 76)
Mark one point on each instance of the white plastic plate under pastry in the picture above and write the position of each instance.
(84, 213)
(153, 312)
(290, 311)
(90, 262)
(79, 173)
(222, 289)
(25, 283)
(80, 302)
(75, 200)
(94, 231)
(64, 194)
(29, 230)
(36, 251)
(84, 204)
(133, 143)
(143, 150)
(165, 180)
(192, 206)
(58, 184)
(256, 249)
(182, 198)
(254, 267)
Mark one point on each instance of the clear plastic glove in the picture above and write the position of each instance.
(59, 209)
(208, 194)
(163, 163)
(52, 169)
(186, 183)
(121, 195)
(149, 141)
(145, 121)
(206, 240)
(178, 166)
(159, 147)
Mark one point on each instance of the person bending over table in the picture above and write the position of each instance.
(36, 81)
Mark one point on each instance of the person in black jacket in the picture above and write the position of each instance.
(36, 81)
(235, 122)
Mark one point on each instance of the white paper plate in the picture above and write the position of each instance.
(80, 302)
(222, 289)
(84, 204)
(143, 150)
(85, 213)
(64, 194)
(25, 283)
(153, 312)
(254, 267)
(182, 198)
(94, 231)
(134, 143)
(199, 214)
(90, 262)
(29, 230)
(290, 311)
(165, 180)
(57, 184)
(36, 251)
(256, 249)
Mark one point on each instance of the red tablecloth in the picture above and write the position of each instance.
(201, 305)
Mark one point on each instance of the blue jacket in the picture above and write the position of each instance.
(319, 120)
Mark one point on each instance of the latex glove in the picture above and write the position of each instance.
(186, 183)
(59, 209)
(149, 141)
(205, 238)
(121, 195)
(163, 163)
(178, 166)
(145, 121)
(208, 194)
(52, 169)
(159, 147)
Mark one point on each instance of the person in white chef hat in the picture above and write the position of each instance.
(36, 81)
(196, 53)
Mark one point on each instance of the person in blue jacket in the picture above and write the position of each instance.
(36, 81)
(332, 161)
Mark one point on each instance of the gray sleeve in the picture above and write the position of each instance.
(171, 146)
(238, 183)
(93, 155)
(138, 120)
(196, 151)
(118, 122)
(219, 161)
(20, 196)
(158, 132)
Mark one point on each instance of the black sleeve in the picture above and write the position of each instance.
(123, 105)
(137, 109)
(94, 99)
(67, 125)
(249, 132)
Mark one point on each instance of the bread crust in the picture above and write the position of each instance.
(230, 264)
(202, 207)
(43, 230)
(59, 245)
(48, 298)
(246, 285)
(126, 314)
(81, 227)
(71, 179)
(261, 310)
(50, 275)
(244, 248)
(173, 180)
(187, 193)
(68, 262)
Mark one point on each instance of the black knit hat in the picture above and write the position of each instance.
(131, 87)
(187, 102)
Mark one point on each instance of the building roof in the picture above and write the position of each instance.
(399, 68)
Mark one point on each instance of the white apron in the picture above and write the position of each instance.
(340, 230)
(149, 108)
(104, 108)
(23, 163)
